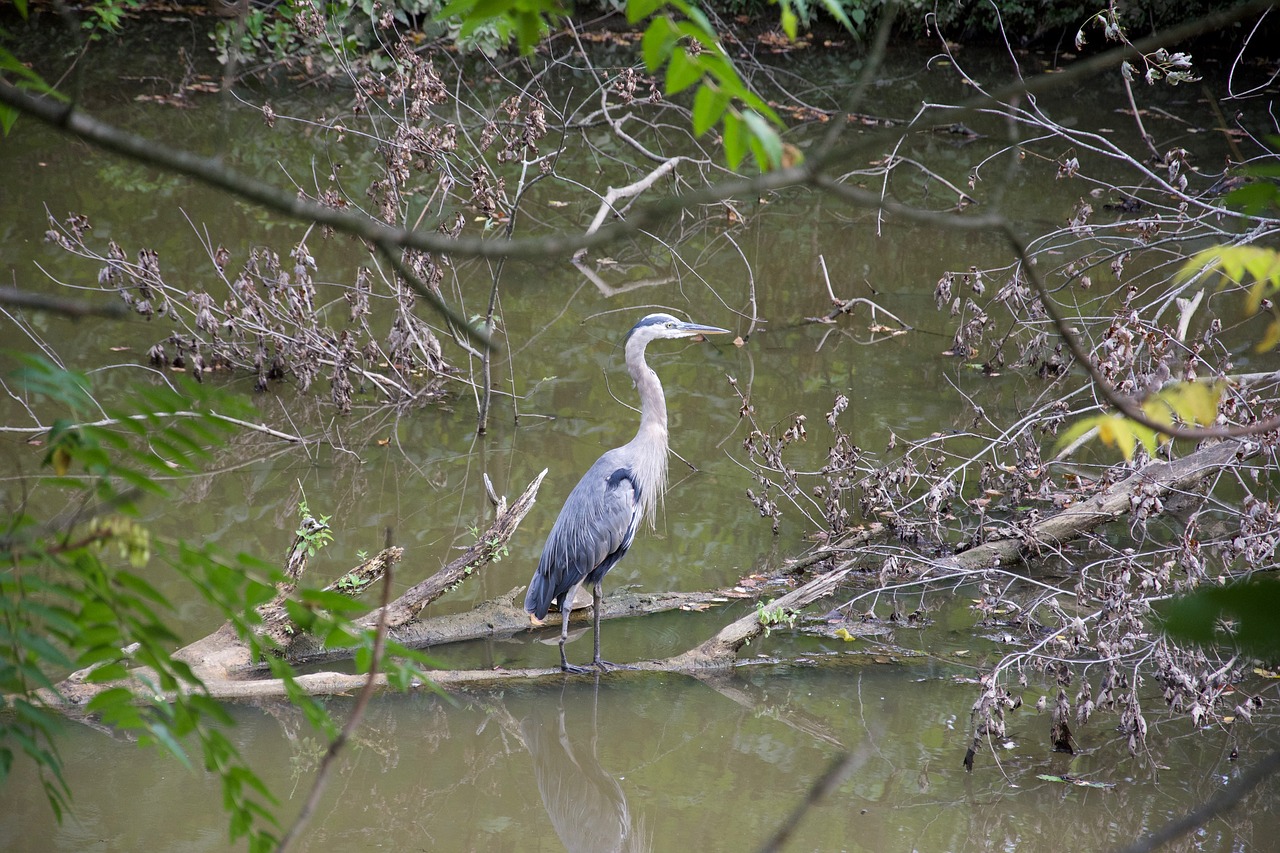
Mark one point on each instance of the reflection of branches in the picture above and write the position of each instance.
(616, 194)
(353, 721)
(607, 289)
(214, 172)
(1216, 806)
(74, 308)
(243, 424)
(847, 306)
(822, 788)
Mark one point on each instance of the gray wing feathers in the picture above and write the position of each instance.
(594, 530)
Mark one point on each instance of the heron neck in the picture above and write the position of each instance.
(653, 403)
(651, 438)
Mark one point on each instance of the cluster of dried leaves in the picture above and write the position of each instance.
(273, 321)
(273, 318)
(1083, 626)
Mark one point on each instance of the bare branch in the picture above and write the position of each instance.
(74, 308)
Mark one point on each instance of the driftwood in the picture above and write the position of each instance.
(502, 617)
(1157, 479)
(216, 658)
(222, 662)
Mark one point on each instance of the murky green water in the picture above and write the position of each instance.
(629, 762)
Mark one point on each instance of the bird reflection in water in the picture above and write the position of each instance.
(586, 805)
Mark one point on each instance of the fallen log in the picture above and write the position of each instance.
(502, 617)
(1157, 479)
(215, 658)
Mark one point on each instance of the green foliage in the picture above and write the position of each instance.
(1237, 265)
(350, 584)
(524, 20)
(850, 14)
(1257, 192)
(689, 48)
(680, 43)
(71, 600)
(355, 28)
(1240, 615)
(313, 531)
(262, 32)
(65, 605)
(105, 16)
(1190, 403)
(771, 616)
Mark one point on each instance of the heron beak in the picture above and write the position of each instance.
(700, 332)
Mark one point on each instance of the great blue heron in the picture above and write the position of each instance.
(602, 513)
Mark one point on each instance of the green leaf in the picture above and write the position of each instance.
(708, 105)
(1252, 607)
(764, 140)
(1068, 437)
(638, 10)
(457, 9)
(1150, 438)
(834, 10)
(707, 38)
(133, 583)
(109, 699)
(1270, 338)
(699, 18)
(27, 79)
(529, 26)
(735, 140)
(657, 42)
(165, 738)
(8, 118)
(789, 21)
(333, 601)
(1118, 431)
(33, 642)
(683, 71)
(109, 672)
(1253, 199)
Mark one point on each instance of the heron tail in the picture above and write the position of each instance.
(537, 601)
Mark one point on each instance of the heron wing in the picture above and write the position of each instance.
(594, 529)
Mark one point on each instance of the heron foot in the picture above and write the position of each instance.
(573, 669)
(605, 666)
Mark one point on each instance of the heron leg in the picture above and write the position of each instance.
(566, 609)
(603, 665)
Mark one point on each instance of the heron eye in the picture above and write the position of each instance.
(670, 325)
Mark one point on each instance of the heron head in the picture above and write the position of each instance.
(661, 326)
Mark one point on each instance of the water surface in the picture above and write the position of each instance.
(636, 762)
